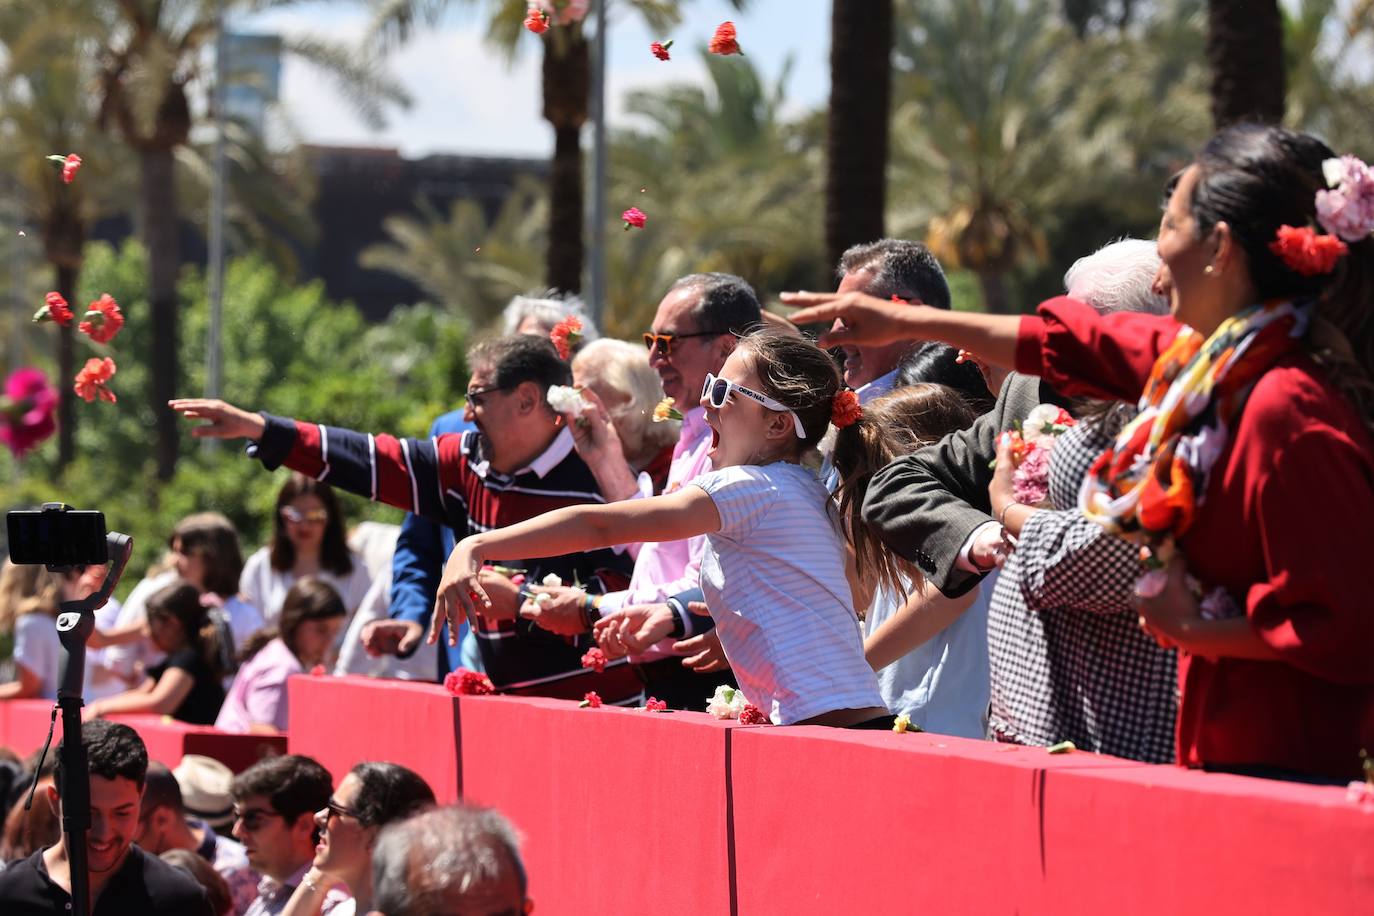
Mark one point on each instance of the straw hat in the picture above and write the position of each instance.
(205, 789)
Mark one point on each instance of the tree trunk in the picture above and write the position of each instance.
(994, 288)
(164, 258)
(66, 369)
(857, 130)
(1245, 53)
(567, 85)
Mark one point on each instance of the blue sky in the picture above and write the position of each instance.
(468, 99)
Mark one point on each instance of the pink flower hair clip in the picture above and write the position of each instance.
(1346, 208)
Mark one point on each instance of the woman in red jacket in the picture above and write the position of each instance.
(1248, 478)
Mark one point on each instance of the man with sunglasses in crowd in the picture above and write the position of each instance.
(675, 653)
(275, 801)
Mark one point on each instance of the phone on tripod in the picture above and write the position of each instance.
(56, 536)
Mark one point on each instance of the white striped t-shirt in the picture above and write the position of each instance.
(774, 580)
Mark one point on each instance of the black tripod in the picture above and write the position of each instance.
(75, 622)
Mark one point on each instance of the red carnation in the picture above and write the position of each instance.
(752, 715)
(565, 335)
(661, 50)
(1306, 252)
(653, 705)
(594, 659)
(90, 381)
(634, 218)
(590, 701)
(723, 42)
(103, 319)
(537, 21)
(318, 671)
(54, 308)
(465, 683)
(845, 409)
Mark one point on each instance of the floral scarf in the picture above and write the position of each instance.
(1148, 485)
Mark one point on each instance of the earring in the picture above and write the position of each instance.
(1207, 269)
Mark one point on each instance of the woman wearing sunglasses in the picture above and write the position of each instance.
(307, 540)
(774, 570)
(371, 796)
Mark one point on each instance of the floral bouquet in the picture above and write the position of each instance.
(1031, 443)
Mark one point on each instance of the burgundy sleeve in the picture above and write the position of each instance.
(1315, 511)
(1081, 353)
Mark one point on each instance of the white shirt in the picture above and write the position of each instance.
(353, 658)
(773, 576)
(265, 587)
(38, 649)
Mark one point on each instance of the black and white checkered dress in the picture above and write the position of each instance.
(1068, 658)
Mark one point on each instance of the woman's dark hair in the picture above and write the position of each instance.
(212, 537)
(896, 424)
(308, 598)
(389, 792)
(1257, 178)
(334, 553)
(935, 363)
(180, 601)
(797, 374)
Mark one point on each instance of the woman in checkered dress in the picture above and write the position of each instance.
(1068, 658)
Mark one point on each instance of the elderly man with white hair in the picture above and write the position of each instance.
(459, 859)
(1066, 658)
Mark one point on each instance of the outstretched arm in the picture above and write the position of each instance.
(875, 322)
(677, 516)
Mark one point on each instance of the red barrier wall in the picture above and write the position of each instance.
(623, 811)
(24, 725)
(341, 721)
(631, 812)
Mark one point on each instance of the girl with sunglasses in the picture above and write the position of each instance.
(308, 539)
(774, 572)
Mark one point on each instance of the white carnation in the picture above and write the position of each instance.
(552, 580)
(726, 703)
(566, 400)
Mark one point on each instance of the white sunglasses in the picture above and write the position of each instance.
(717, 392)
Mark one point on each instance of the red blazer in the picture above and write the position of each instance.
(1286, 526)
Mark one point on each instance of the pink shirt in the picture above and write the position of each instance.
(258, 693)
(666, 568)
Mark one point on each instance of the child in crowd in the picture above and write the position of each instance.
(774, 572)
(311, 616)
(187, 684)
(942, 683)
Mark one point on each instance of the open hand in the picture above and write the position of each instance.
(633, 628)
(222, 421)
(391, 637)
(867, 320)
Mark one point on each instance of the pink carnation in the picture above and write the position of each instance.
(653, 705)
(28, 407)
(594, 659)
(1347, 210)
(1030, 482)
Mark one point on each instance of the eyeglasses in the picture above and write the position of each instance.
(717, 391)
(252, 819)
(338, 810)
(663, 343)
(475, 395)
(296, 516)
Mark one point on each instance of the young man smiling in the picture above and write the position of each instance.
(122, 878)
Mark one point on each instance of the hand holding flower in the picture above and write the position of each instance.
(557, 609)
(633, 628)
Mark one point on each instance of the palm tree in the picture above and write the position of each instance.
(566, 87)
(1245, 51)
(43, 111)
(856, 137)
(148, 70)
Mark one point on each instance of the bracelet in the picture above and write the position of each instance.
(589, 610)
(1002, 516)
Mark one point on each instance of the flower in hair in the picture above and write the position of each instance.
(1347, 209)
(1306, 252)
(566, 335)
(845, 409)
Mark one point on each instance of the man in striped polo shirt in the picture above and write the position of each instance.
(519, 462)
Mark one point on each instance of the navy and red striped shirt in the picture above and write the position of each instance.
(447, 479)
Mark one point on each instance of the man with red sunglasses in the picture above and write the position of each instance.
(675, 653)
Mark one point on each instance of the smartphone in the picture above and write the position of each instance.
(57, 536)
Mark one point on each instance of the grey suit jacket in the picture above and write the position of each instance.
(926, 505)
